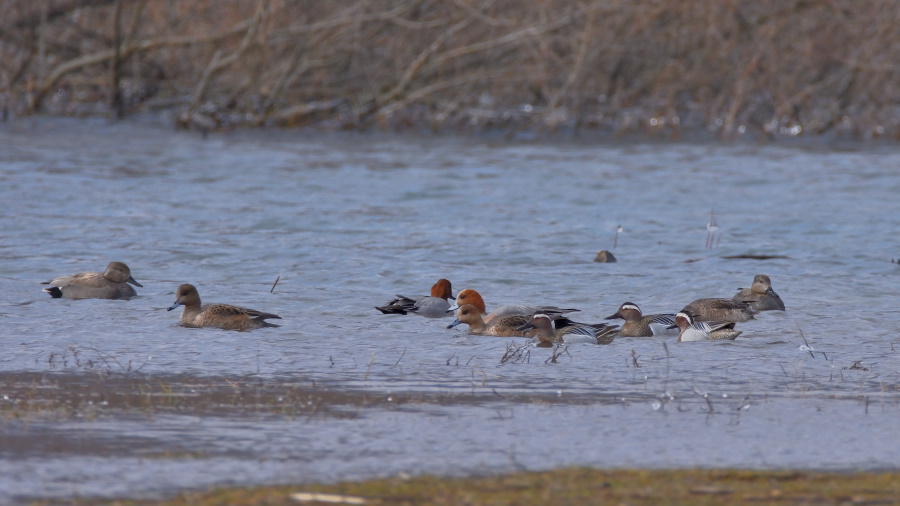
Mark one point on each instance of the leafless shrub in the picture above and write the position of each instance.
(774, 67)
(517, 354)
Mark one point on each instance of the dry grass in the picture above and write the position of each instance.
(588, 486)
(774, 67)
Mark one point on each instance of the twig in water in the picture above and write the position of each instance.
(515, 354)
(857, 366)
(401, 357)
(103, 357)
(711, 229)
(369, 367)
(451, 358)
(276, 282)
(634, 360)
(616, 239)
(558, 350)
(705, 395)
(805, 342)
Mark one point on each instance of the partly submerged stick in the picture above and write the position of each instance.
(276, 282)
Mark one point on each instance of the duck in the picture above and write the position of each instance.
(500, 326)
(690, 330)
(563, 330)
(638, 325)
(719, 310)
(760, 295)
(113, 283)
(429, 306)
(469, 296)
(223, 316)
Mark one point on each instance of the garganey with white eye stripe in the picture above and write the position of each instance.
(563, 330)
(638, 325)
(689, 330)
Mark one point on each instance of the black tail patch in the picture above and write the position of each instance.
(54, 291)
(391, 309)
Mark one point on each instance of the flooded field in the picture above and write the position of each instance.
(102, 398)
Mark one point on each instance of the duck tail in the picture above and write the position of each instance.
(54, 291)
(391, 309)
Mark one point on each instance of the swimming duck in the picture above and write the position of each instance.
(223, 316)
(563, 330)
(502, 326)
(469, 296)
(110, 284)
(760, 295)
(431, 306)
(638, 325)
(719, 310)
(689, 330)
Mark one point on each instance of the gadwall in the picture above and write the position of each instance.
(563, 330)
(501, 326)
(109, 284)
(431, 306)
(469, 296)
(223, 316)
(690, 330)
(760, 295)
(719, 310)
(638, 325)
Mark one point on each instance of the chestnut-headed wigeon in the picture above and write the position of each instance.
(429, 306)
(469, 296)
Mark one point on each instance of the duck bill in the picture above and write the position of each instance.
(133, 282)
(453, 308)
(527, 326)
(616, 316)
(454, 323)
(173, 306)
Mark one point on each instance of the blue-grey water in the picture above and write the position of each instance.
(348, 220)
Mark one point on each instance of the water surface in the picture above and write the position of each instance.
(349, 220)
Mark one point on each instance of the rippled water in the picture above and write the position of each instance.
(348, 220)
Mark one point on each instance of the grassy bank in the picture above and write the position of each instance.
(586, 486)
(773, 67)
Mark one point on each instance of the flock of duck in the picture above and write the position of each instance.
(702, 319)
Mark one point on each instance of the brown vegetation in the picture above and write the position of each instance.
(577, 486)
(771, 66)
